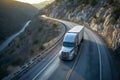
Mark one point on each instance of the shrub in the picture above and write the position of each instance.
(18, 46)
(3, 73)
(41, 47)
(110, 1)
(22, 37)
(35, 41)
(55, 25)
(11, 51)
(32, 51)
(29, 32)
(39, 29)
(18, 61)
(99, 20)
(113, 21)
(117, 11)
(92, 2)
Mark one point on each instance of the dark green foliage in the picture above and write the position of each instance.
(22, 37)
(11, 51)
(17, 61)
(117, 11)
(55, 25)
(39, 29)
(58, 0)
(99, 20)
(18, 46)
(86, 1)
(2, 37)
(29, 32)
(113, 21)
(71, 0)
(35, 41)
(41, 47)
(92, 2)
(110, 1)
(3, 72)
(32, 51)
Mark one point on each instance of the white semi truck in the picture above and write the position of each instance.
(70, 43)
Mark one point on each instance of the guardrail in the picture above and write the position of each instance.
(17, 74)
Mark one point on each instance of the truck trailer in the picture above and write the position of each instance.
(70, 43)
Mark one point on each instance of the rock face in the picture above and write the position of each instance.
(100, 17)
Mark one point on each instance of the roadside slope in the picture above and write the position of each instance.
(13, 15)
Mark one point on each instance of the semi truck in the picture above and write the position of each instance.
(70, 43)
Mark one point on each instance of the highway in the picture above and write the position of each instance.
(93, 61)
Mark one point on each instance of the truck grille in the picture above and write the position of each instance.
(65, 54)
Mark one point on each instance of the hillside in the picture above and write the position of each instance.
(13, 15)
(30, 43)
(102, 16)
(42, 4)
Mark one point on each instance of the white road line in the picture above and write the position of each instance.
(99, 57)
(45, 67)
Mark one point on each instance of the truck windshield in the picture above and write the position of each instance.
(68, 44)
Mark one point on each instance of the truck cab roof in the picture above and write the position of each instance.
(69, 37)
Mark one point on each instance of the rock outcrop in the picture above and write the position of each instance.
(103, 17)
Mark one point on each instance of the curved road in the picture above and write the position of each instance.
(93, 62)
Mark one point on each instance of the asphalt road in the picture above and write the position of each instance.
(93, 62)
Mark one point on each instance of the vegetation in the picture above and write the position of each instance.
(17, 61)
(11, 51)
(92, 2)
(99, 20)
(39, 29)
(15, 14)
(22, 37)
(3, 72)
(116, 11)
(41, 47)
(32, 51)
(55, 25)
(18, 46)
(35, 41)
(110, 1)
(29, 32)
(113, 20)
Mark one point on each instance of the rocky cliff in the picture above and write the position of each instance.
(102, 16)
